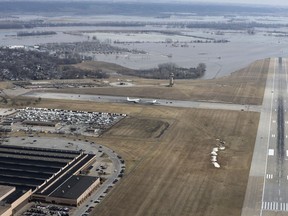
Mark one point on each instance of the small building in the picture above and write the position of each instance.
(40, 123)
(7, 123)
(91, 130)
(5, 129)
(73, 128)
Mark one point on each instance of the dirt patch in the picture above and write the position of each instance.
(140, 128)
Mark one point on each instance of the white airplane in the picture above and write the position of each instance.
(151, 102)
(135, 100)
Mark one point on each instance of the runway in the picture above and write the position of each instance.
(267, 189)
(145, 101)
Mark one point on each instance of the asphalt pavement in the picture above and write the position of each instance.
(267, 189)
(145, 101)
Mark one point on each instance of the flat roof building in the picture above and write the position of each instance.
(74, 191)
(39, 173)
(5, 191)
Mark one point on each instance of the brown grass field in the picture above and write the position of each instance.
(100, 65)
(167, 150)
(245, 86)
(172, 174)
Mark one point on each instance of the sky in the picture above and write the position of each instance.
(269, 2)
(259, 2)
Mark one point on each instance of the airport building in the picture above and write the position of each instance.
(45, 175)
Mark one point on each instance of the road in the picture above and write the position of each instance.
(100, 192)
(267, 189)
(145, 101)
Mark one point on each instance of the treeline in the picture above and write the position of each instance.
(70, 72)
(202, 25)
(233, 25)
(35, 33)
(163, 71)
(179, 24)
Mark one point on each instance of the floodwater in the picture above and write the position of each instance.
(221, 59)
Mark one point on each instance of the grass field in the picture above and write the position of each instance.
(173, 175)
(99, 65)
(245, 86)
(167, 150)
(169, 172)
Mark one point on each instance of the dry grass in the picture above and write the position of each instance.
(5, 85)
(167, 150)
(141, 128)
(245, 86)
(100, 65)
(172, 174)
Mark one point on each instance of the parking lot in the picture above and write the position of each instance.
(58, 121)
(46, 210)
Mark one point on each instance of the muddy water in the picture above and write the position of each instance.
(221, 58)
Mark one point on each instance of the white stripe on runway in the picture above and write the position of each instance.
(271, 152)
(275, 206)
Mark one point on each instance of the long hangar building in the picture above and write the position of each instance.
(45, 175)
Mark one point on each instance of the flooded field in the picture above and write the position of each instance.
(220, 58)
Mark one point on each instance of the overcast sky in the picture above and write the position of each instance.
(259, 2)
